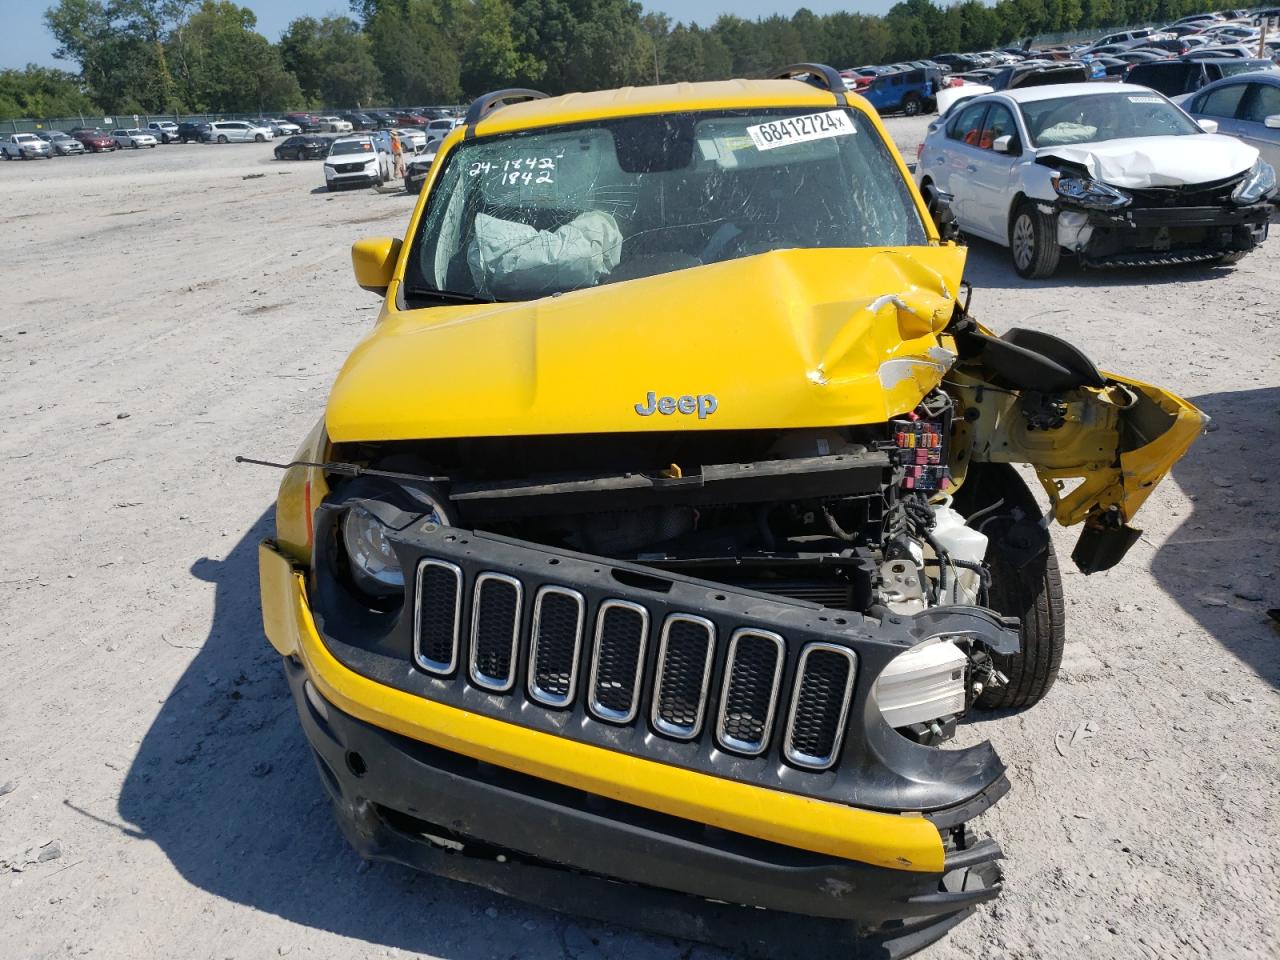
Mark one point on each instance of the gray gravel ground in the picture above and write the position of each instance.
(163, 312)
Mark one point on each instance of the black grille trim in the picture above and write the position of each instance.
(663, 724)
(441, 667)
(544, 696)
(478, 677)
(594, 702)
(748, 747)
(802, 699)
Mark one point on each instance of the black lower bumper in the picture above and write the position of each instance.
(1158, 235)
(406, 802)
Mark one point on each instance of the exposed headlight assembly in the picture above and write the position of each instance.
(1259, 184)
(374, 566)
(1091, 194)
(375, 569)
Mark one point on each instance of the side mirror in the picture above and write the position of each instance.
(1273, 121)
(374, 261)
(943, 217)
(1208, 126)
(1003, 144)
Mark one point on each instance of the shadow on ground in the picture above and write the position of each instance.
(223, 783)
(989, 267)
(1221, 563)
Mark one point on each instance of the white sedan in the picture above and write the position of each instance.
(1115, 174)
(133, 137)
(335, 124)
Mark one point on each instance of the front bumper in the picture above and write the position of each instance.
(406, 802)
(1154, 235)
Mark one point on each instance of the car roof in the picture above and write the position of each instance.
(1053, 90)
(666, 98)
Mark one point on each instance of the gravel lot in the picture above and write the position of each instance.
(168, 309)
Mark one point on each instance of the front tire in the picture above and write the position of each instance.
(911, 105)
(1030, 591)
(1033, 242)
(222, 138)
(1232, 258)
(259, 138)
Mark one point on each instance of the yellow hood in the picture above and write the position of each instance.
(795, 338)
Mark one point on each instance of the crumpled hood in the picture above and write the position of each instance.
(784, 339)
(1143, 162)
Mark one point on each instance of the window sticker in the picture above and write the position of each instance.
(814, 126)
(1145, 100)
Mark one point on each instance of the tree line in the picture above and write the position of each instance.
(206, 56)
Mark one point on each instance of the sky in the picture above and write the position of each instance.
(24, 38)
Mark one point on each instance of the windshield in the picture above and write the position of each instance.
(1109, 116)
(344, 147)
(545, 211)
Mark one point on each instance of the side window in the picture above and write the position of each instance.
(1262, 101)
(999, 123)
(1224, 101)
(967, 126)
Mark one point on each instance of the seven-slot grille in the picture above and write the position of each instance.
(744, 707)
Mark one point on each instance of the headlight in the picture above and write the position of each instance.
(374, 566)
(1259, 184)
(1090, 193)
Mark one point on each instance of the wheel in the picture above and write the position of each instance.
(1235, 256)
(151, 146)
(331, 188)
(222, 138)
(259, 138)
(1031, 591)
(911, 104)
(1033, 242)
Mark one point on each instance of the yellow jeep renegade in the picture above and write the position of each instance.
(665, 523)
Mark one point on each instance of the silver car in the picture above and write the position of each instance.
(236, 131)
(25, 146)
(1246, 106)
(133, 137)
(63, 144)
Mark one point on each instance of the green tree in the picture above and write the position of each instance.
(39, 92)
(412, 51)
(332, 61)
(232, 67)
(491, 55)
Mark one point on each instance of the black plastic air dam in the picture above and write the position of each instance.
(876, 768)
(582, 854)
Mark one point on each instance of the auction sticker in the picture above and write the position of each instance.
(814, 126)
(1146, 99)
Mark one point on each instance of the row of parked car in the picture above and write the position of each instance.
(1176, 59)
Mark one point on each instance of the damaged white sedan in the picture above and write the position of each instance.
(1117, 175)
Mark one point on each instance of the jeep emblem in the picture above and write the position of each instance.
(704, 404)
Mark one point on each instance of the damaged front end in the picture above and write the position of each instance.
(1159, 223)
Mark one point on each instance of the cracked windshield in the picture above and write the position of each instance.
(523, 216)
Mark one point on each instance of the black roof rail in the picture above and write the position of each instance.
(823, 75)
(481, 107)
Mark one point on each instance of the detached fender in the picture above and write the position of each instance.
(1097, 450)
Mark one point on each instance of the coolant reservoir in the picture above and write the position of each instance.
(961, 542)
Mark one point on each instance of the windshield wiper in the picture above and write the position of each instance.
(452, 296)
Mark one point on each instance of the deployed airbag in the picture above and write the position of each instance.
(505, 256)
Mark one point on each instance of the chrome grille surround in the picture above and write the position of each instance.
(665, 724)
(728, 694)
(594, 701)
(813, 710)
(498, 684)
(431, 665)
(544, 694)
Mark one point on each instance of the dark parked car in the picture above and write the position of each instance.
(192, 131)
(308, 123)
(303, 147)
(419, 165)
(1187, 74)
(360, 120)
(63, 144)
(94, 140)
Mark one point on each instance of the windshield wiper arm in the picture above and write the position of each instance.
(450, 295)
